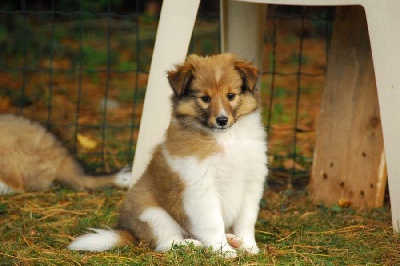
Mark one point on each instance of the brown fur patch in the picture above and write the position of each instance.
(249, 102)
(188, 109)
(248, 72)
(184, 142)
(179, 80)
(125, 238)
(158, 187)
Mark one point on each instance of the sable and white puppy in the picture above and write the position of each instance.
(208, 175)
(32, 159)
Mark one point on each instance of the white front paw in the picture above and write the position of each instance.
(227, 251)
(239, 243)
(224, 249)
(250, 247)
(233, 240)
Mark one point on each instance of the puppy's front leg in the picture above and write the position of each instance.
(202, 205)
(244, 225)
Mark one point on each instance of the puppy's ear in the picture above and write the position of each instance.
(180, 78)
(248, 73)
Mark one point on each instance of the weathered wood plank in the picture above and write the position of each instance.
(349, 162)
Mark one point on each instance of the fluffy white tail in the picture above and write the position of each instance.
(99, 240)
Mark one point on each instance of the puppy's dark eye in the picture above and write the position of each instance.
(206, 99)
(231, 96)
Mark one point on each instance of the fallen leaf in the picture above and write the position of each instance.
(4, 104)
(289, 163)
(344, 203)
(86, 142)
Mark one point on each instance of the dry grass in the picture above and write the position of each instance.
(36, 228)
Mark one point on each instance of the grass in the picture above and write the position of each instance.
(37, 227)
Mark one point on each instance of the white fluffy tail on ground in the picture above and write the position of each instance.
(99, 240)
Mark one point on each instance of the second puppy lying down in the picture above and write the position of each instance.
(32, 159)
(207, 176)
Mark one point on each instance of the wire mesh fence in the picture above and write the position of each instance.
(295, 56)
(81, 69)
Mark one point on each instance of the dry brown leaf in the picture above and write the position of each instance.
(344, 203)
(289, 163)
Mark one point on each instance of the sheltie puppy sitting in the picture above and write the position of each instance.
(32, 159)
(207, 176)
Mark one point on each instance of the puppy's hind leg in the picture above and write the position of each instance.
(166, 230)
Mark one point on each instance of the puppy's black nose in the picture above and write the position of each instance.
(222, 120)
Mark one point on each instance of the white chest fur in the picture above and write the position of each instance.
(242, 168)
(221, 180)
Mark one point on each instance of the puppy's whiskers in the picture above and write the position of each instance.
(229, 132)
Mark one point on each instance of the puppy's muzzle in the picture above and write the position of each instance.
(222, 121)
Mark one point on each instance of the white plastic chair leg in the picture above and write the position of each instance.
(172, 41)
(242, 29)
(383, 20)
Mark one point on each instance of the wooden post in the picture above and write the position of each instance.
(349, 161)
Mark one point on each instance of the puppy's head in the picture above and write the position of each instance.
(213, 92)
